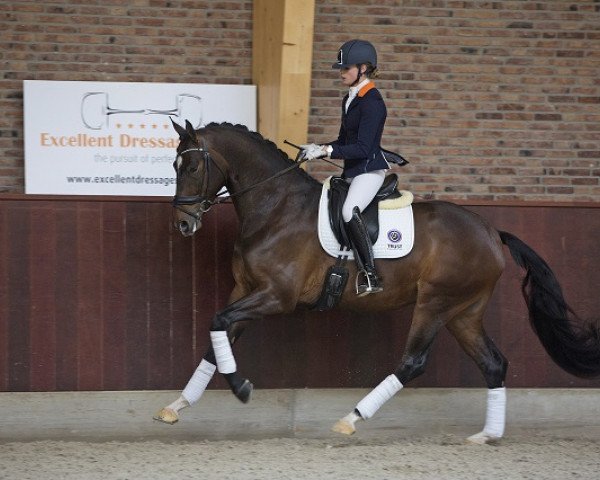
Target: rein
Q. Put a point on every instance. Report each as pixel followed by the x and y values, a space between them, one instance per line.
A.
pixel 205 203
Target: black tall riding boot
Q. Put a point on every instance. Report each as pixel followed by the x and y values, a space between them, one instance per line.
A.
pixel 363 251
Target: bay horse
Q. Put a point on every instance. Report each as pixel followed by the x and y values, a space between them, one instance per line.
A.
pixel 449 275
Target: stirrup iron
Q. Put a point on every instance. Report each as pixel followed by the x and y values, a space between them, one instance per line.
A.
pixel 368 287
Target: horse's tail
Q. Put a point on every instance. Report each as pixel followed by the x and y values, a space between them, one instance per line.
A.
pixel 574 347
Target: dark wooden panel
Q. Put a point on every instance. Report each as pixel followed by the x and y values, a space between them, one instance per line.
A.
pixel 114 295
pixel 325 338
pixel 19 298
pixel 42 248
pixel 159 300
pixel 103 294
pixel 182 308
pixel 4 293
pixel 89 295
pixel 136 329
pixel 65 291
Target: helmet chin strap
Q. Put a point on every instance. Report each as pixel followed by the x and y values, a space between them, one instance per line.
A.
pixel 360 74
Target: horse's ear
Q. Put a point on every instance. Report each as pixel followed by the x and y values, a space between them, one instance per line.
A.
pixel 190 129
pixel 179 129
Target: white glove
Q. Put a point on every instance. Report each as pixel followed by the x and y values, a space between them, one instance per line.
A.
pixel 313 151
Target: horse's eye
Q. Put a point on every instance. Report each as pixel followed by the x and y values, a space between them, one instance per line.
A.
pixel 193 165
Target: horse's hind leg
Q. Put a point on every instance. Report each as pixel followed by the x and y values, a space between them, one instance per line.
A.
pixel 427 320
pixel 471 336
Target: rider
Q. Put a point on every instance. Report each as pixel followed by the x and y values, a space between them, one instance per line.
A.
pixel 358 144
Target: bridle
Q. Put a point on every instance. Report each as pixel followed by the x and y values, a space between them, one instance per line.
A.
pixel 224 197
pixel 205 203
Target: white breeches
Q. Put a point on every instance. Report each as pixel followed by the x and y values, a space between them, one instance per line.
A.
pixel 363 189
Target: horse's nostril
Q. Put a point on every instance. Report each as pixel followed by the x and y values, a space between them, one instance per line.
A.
pixel 184 227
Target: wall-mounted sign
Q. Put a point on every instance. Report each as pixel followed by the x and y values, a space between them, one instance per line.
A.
pixel 109 138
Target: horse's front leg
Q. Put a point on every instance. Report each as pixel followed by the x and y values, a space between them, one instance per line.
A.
pixel 241 387
pixel 202 376
pixel 192 391
pixel 227 327
pixel 231 322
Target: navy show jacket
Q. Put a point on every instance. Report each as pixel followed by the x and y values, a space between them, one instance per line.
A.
pixel 359 140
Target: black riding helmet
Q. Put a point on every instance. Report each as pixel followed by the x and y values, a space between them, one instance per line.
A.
pixel 356 52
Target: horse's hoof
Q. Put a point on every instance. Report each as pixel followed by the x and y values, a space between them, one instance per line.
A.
pixel 344 427
pixel 167 415
pixel 482 438
pixel 245 391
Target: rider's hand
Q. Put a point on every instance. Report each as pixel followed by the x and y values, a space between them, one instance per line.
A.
pixel 313 151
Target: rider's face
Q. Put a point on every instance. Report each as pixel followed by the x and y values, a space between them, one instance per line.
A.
pixel 349 75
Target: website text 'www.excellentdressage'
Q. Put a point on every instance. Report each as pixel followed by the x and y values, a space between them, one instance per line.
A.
pixel 119 179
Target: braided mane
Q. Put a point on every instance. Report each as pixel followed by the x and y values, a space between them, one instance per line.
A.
pixel 257 137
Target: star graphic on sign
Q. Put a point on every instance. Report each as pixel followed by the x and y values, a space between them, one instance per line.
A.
pixel 154 125
pixel 118 125
pixel 142 126
pixel 130 125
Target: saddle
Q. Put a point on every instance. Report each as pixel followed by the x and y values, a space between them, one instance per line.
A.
pixel 390 210
pixel 338 191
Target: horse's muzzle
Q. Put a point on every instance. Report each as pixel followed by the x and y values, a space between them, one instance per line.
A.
pixel 187 229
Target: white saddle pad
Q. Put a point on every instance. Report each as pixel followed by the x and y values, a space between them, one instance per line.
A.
pixel 396 227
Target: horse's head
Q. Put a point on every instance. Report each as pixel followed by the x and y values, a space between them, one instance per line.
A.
pixel 199 179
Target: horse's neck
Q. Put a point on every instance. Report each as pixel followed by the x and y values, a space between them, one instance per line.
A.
pixel 270 199
pixel 277 199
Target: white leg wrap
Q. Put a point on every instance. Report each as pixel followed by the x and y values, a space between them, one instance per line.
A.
pixel 223 352
pixel 199 381
pixel 378 396
pixel 496 412
pixel 178 404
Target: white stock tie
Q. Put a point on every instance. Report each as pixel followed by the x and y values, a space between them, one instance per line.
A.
pixel 351 95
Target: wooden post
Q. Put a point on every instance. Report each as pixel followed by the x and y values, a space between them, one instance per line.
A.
pixel 281 68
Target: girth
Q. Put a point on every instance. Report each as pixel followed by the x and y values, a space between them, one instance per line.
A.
pixel 338 191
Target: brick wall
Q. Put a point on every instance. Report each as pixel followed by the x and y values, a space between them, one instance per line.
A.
pixel 189 41
pixel 486 99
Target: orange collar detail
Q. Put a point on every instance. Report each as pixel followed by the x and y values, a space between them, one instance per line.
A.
pixel 363 91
